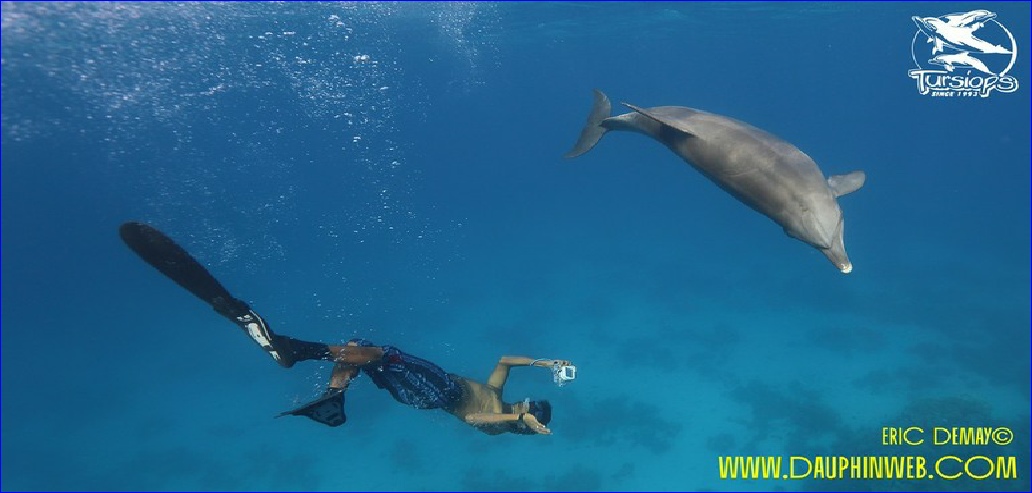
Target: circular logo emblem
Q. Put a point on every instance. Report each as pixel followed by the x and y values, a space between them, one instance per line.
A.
pixel 968 43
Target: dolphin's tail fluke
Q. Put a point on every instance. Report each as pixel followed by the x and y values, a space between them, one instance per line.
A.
pixel 593 130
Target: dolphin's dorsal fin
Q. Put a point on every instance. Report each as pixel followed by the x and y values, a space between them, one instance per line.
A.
pixel 848 183
pixel 675 124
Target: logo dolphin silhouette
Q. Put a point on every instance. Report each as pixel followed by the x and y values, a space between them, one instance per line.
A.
pixel 958 31
pixel 962 59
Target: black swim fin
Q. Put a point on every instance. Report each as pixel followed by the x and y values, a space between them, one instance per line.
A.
pixel 328 409
pixel 158 250
pixel 161 252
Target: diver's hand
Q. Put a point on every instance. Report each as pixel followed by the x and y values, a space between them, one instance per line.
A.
pixel 535 425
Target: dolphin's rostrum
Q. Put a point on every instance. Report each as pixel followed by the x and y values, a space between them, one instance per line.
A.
pixel 762 171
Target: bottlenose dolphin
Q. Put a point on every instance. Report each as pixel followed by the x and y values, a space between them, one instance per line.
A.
pixel 958 31
pixel 762 171
pixel 962 59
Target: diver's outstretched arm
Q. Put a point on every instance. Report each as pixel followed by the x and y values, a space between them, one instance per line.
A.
pixel 501 372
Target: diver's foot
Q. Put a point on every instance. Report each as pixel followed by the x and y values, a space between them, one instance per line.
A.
pixel 259 331
pixel 327 409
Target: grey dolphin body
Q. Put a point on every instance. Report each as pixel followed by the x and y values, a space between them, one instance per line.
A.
pixel 762 171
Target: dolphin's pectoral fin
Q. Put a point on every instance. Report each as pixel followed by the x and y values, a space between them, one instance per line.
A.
pixel 849 183
pixel 674 124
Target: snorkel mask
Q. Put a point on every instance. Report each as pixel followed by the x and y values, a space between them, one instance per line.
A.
pixel 541 410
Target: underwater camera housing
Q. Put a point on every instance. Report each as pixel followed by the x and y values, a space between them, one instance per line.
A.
pixel 563 374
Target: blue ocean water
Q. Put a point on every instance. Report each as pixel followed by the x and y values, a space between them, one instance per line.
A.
pixel 394 171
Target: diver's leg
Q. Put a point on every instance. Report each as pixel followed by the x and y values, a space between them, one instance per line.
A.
pixel 328 409
pixel 342 375
pixel 299 350
pixel 355 355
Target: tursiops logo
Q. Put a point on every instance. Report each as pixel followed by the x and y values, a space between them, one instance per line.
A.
pixel 963 54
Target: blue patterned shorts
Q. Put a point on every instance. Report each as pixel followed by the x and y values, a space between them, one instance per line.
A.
pixel 411 380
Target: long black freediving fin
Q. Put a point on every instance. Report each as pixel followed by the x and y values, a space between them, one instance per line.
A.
pixel 164 254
